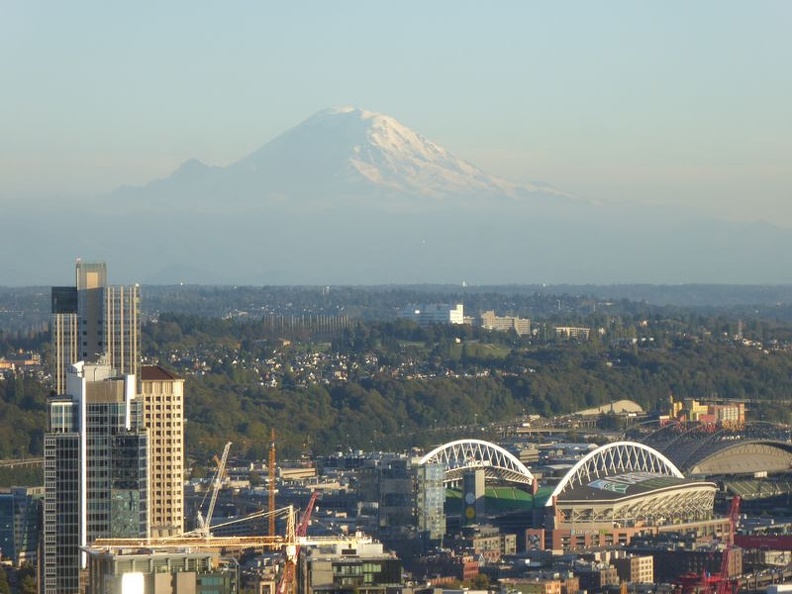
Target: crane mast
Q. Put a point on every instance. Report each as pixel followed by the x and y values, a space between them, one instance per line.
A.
pixel 271 474
pixel 205 525
pixel 286 583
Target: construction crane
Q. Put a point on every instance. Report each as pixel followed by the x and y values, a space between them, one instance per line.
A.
pixel 205 525
pixel 271 474
pixel 726 585
pixel 198 540
pixel 289 544
pixel 719 583
pixel 201 539
pixel 292 550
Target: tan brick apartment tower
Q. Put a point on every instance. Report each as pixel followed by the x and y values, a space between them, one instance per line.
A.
pixel 163 414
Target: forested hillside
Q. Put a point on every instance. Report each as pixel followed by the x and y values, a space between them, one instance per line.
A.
pixel 551 379
pixel 393 384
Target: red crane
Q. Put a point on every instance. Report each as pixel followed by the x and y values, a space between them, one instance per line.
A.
pixel 286 583
pixel 718 583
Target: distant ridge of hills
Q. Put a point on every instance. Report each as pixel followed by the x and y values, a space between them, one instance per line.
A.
pixel 28 308
pixel 354 197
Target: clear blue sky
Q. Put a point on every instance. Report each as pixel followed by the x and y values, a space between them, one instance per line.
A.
pixel 663 102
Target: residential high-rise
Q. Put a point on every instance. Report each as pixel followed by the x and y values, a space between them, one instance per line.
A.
pixel 20 512
pixel 65 333
pixel 162 393
pixel 92 320
pixel 430 501
pixel 95 470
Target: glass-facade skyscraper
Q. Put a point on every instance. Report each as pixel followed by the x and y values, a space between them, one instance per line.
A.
pixel 20 510
pixel 92 322
pixel 95 470
pixel 114 447
pixel 430 502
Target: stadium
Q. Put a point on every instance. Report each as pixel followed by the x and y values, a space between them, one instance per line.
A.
pixel 714 449
pixel 752 460
pixel 621 489
pixel 613 493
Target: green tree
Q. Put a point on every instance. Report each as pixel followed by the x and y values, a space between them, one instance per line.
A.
pixel 26 576
pixel 4 587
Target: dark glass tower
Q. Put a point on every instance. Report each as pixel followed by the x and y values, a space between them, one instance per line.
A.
pixel 95 470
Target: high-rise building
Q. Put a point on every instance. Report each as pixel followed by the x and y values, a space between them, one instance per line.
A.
pixel 20 511
pixel 95 470
pixel 430 501
pixel 406 498
pixel 162 393
pixel 93 321
pixel 64 328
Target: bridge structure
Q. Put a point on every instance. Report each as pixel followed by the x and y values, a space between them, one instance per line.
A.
pixel 464 455
pixel 18 463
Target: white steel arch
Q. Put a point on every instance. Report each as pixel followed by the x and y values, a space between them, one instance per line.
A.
pixel 465 454
pixel 619 456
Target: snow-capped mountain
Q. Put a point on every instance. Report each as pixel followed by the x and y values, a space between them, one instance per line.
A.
pixel 336 156
pixel 352 145
pixel 354 197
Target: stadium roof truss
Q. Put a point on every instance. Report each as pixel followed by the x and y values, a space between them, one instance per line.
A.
pixel 747 457
pixel 700 448
pixel 614 458
pixel 463 455
pixel 657 508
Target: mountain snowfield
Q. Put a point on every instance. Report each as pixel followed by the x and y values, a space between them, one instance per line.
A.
pixel 354 197
pixel 347 154
pixel 378 149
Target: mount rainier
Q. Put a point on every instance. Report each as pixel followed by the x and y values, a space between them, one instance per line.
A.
pixel 354 197
pixel 344 153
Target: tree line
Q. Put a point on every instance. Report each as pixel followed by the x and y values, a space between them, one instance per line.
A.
pixel 464 376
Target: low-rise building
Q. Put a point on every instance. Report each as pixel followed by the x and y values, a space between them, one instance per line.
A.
pixel 489 321
pixel 575 332
pixel 434 313
pixel 531 586
pixel 446 566
pixel 636 569
pixel 597 576
pixel 162 571
pixel 363 566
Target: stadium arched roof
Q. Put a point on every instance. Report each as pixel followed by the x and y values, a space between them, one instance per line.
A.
pixel 468 454
pixel 718 449
pixel 611 459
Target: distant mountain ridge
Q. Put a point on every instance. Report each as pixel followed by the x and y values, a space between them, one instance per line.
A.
pixel 354 197
pixel 343 152
pixel 360 145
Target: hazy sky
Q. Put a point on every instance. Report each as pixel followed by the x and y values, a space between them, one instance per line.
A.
pixel 668 101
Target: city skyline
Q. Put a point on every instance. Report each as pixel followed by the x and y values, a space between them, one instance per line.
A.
pixel 673 104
